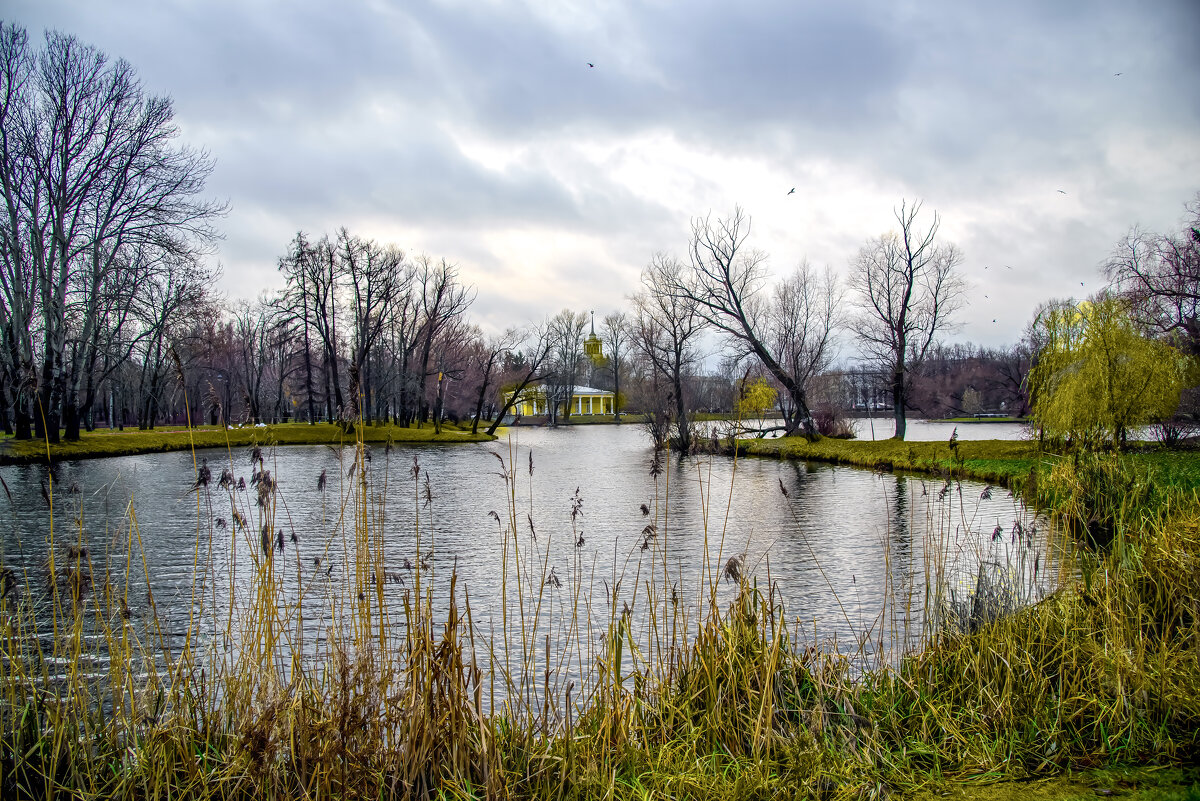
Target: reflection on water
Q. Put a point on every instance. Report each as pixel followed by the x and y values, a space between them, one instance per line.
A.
pixel 564 530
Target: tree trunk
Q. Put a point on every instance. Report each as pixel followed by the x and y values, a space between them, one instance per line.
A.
pixel 684 438
pixel 308 371
pixel 483 386
pixel 616 395
pixel 437 405
pixel 4 416
pixel 52 432
pixel 308 382
pixel 22 428
pixel 89 401
pixel 898 401
pixel 567 405
pixel 71 421
pixel 508 403
pixel 368 397
pixel 48 402
pixel 329 412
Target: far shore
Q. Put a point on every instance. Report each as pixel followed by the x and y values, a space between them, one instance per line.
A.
pixel 103 443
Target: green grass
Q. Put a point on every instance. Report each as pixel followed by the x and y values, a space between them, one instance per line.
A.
pixel 997 461
pixel 1006 462
pixel 103 442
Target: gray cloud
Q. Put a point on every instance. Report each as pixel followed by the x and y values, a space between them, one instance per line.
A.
pixel 458 126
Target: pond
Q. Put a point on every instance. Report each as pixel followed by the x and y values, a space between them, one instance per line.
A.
pixel 552 534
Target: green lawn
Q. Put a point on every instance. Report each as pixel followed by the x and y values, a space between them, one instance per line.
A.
pixel 101 443
pixel 996 461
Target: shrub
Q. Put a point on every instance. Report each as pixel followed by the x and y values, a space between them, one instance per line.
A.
pixel 832 423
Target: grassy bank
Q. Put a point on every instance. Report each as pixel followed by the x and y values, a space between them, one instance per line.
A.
pixel 102 443
pixel 721 702
pixel 1006 462
pixel 995 461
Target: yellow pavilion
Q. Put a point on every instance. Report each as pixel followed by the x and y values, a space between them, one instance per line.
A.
pixel 532 402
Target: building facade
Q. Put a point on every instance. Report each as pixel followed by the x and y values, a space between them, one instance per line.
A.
pixel 533 402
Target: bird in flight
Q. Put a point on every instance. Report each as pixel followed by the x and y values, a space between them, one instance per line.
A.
pixel 1062 192
pixel 1116 74
pixel 590 64
pixel 793 189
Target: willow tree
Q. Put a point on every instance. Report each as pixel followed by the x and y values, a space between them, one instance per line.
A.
pixel 1097 375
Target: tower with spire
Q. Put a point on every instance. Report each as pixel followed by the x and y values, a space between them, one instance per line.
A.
pixel 593 347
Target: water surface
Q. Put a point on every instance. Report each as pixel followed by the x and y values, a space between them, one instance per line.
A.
pixel 849 553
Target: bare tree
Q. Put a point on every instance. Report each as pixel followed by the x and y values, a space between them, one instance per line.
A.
pixel 164 306
pixel 17 275
pixel 399 351
pixel 451 361
pixel 442 300
pixel 298 299
pixel 313 279
pixel 375 276
pixel 533 368
pixel 566 360
pixel 615 330
pixel 666 325
pixel 799 325
pixel 90 169
pixel 254 328
pixel 488 354
pixel 908 289
pixel 1160 275
pixel 726 282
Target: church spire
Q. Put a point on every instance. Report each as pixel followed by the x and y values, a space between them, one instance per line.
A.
pixel 592 345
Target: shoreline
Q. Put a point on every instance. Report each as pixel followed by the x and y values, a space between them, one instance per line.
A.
pixel 1002 462
pixel 132 442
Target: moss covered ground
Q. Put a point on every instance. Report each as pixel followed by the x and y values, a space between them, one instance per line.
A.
pixel 1126 783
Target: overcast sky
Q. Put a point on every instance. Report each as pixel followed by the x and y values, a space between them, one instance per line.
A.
pixel 478 132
